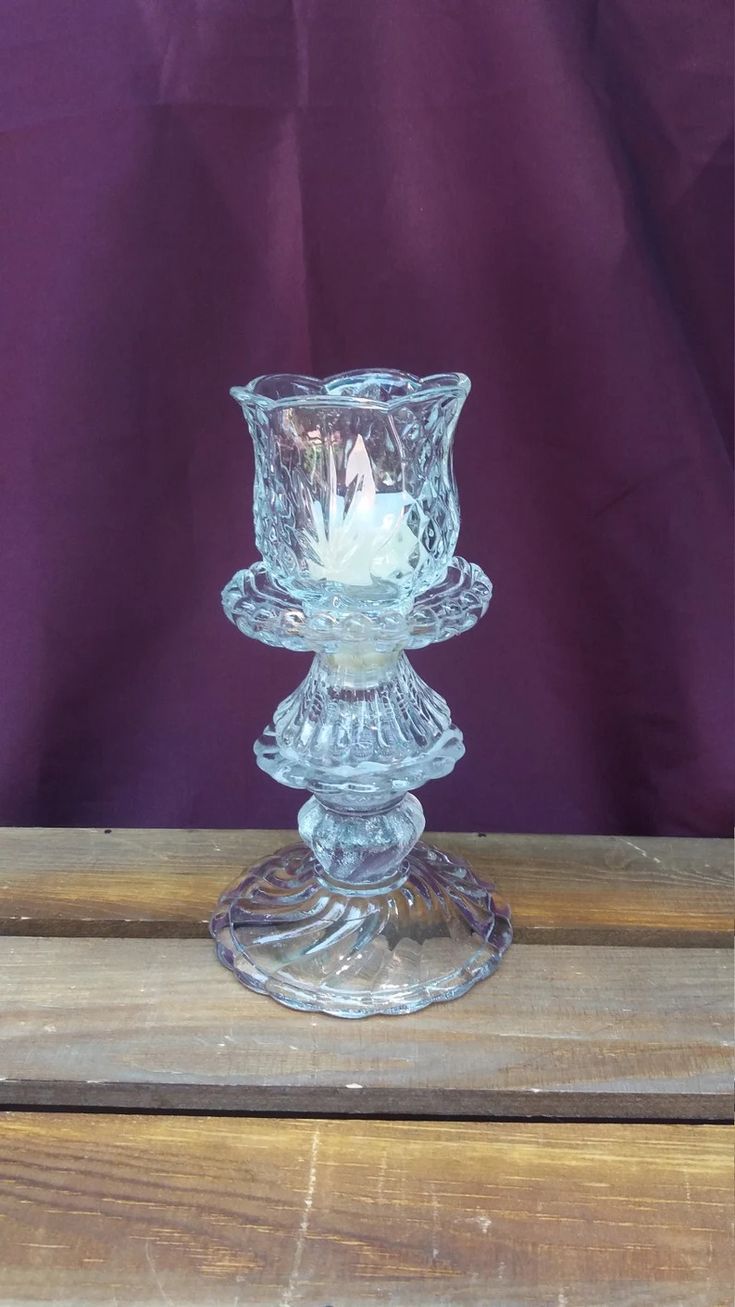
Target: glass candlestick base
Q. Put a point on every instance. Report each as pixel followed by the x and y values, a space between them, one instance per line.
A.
pixel 356 518
pixel 429 933
pixel 360 919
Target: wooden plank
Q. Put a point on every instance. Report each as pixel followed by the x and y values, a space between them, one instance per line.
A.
pixel 137 1211
pixel 558 1031
pixel 563 890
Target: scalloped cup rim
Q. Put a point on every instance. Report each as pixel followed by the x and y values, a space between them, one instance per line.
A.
pixel 323 389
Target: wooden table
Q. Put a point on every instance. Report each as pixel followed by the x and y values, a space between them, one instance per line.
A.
pixel 554 1137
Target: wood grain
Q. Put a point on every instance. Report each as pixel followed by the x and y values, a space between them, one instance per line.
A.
pixel 558 1031
pixel 227 1212
pixel 563 890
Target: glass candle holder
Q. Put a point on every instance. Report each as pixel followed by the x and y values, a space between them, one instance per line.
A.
pixel 356 519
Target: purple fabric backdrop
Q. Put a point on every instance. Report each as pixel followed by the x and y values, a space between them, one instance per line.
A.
pixel 536 193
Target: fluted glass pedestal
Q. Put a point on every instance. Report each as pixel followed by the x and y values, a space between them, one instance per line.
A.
pixel 362 918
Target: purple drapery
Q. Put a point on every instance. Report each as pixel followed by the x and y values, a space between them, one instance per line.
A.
pixel 534 192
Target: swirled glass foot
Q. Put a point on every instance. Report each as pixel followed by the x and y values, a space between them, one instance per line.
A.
pixel 287 931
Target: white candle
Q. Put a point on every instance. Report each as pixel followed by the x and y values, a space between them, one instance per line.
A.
pixel 370 539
